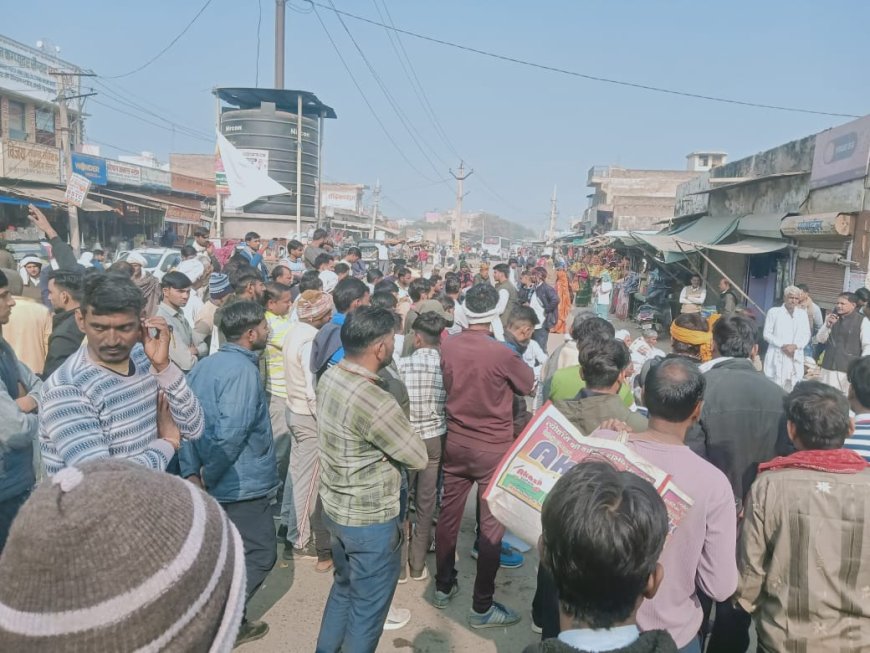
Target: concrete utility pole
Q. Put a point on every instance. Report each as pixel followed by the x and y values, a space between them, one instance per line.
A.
pixel 554 212
pixel 457 222
pixel 279 43
pixel 66 149
pixel 375 207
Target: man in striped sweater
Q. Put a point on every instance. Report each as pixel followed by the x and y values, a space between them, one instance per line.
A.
pixel 119 395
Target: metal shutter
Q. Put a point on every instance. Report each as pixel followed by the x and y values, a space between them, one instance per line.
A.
pixel 825 280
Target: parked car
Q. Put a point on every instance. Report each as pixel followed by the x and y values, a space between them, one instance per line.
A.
pixel 159 260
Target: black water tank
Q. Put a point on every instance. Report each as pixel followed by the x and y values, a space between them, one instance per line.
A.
pixel 271 134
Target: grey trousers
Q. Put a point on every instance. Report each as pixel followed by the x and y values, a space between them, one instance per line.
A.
pixel 427 490
pixel 253 519
pixel 304 477
pixel 279 415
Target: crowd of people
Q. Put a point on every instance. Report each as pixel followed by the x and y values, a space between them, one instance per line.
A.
pixel 169 432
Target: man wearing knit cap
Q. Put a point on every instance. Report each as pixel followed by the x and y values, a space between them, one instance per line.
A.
pixel 481 377
pixel 154 564
pixel 119 396
pixel 219 289
pixel 18 423
pixel 235 458
pixel 193 269
pixel 301 509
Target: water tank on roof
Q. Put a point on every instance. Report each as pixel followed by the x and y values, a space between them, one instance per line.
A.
pixel 267 136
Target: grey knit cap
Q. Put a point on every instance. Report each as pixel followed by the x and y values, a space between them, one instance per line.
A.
pixel 111 556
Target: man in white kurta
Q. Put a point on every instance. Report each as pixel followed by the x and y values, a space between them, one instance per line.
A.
pixel 844 343
pixel 787 332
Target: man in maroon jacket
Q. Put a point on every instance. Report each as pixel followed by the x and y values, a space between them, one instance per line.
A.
pixel 481 376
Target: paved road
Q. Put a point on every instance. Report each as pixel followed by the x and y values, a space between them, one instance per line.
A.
pixel 292 599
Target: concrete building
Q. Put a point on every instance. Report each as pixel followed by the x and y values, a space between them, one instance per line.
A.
pixel 630 199
pixel 796 213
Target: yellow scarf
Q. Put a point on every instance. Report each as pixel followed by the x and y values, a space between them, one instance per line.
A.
pixel 692 337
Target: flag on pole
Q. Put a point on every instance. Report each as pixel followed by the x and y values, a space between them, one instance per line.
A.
pixel 246 182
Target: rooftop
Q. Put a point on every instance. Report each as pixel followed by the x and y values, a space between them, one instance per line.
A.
pixel 286 100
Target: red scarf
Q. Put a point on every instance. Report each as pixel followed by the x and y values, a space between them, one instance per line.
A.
pixel 836 461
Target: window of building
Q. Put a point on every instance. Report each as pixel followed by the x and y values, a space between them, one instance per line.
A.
pixel 45 127
pixel 703 161
pixel 17 122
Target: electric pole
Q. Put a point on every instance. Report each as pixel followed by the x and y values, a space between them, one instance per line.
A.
pixel 376 205
pixel 554 212
pixel 457 222
pixel 66 149
pixel 279 43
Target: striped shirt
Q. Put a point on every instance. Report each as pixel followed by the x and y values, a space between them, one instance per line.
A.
pixel 860 440
pixel 364 439
pixel 273 357
pixel 421 374
pixel 89 412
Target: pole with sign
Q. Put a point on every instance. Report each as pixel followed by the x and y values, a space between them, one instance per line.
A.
pixel 77 189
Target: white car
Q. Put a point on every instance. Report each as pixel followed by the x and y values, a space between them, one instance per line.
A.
pixel 159 260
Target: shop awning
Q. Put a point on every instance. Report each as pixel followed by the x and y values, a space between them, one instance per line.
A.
pixel 761 225
pixel 674 245
pixel 751 246
pixel 54 196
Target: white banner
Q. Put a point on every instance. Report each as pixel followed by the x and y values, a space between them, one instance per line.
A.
pixel 247 183
pixel 77 189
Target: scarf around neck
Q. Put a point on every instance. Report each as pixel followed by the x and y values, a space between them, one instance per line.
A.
pixel 836 461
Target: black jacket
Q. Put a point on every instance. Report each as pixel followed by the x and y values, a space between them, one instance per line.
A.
pixel 742 423
pixel 651 641
pixel 64 341
pixel 549 299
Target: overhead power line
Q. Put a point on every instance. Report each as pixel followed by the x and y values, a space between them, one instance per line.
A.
pixel 164 127
pixel 164 50
pixel 416 137
pixel 366 101
pixel 573 73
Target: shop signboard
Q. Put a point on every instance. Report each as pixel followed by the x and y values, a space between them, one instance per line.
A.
pixel 30 162
pixel 118 172
pixel 156 178
pixel 181 214
pixel 841 154
pixel 27 71
pixel 92 167
pixel 346 197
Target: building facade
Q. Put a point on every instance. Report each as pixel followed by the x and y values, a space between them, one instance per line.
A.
pixel 629 199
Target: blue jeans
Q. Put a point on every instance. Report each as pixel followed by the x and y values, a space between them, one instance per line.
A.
pixel 367 564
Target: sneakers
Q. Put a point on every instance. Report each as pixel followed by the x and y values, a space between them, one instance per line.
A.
pixel 251 631
pixel 498 616
pixel 423 575
pixel 443 598
pixel 538 630
pixel 306 552
pixel 510 558
pixel 397 618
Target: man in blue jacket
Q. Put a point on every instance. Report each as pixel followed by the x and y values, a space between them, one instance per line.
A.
pixel 234 460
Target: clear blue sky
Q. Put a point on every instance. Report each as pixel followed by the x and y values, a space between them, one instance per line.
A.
pixel 522 130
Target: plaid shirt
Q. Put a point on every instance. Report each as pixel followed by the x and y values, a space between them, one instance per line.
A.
pixel 421 372
pixel 364 438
